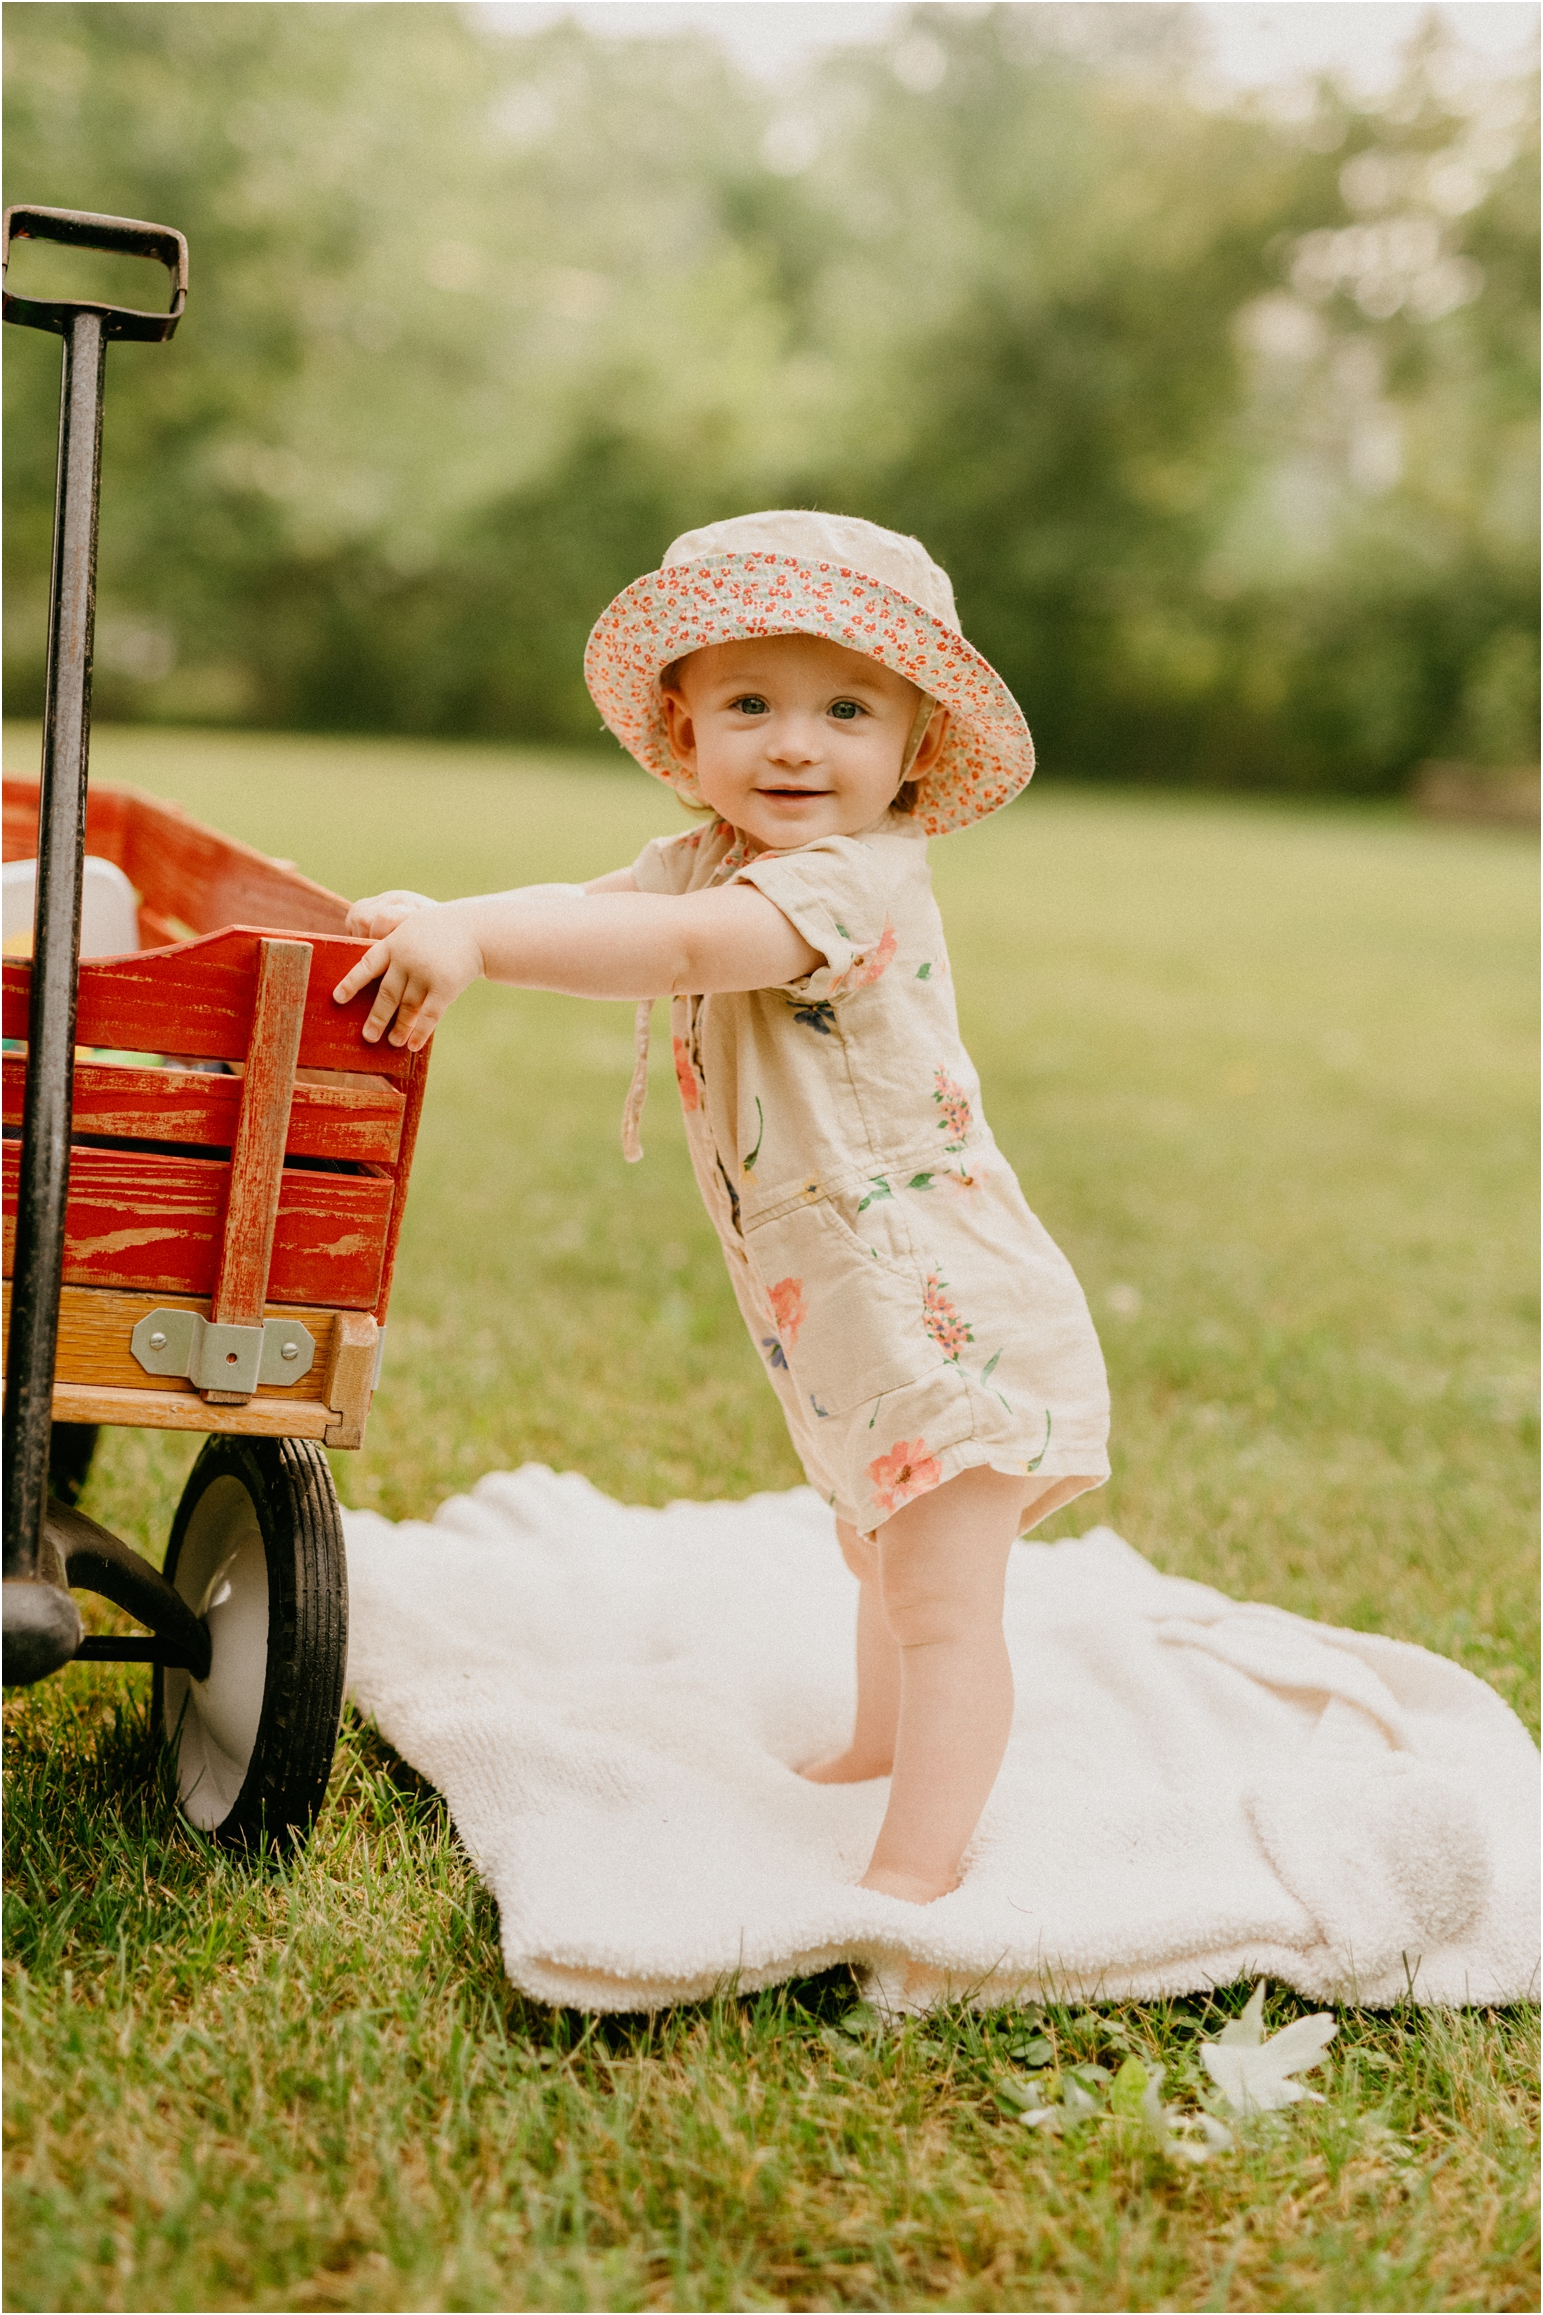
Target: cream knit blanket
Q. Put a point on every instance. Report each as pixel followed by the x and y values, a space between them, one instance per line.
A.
pixel 1197 1790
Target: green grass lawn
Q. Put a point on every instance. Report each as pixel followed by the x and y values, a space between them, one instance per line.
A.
pixel 1267 1075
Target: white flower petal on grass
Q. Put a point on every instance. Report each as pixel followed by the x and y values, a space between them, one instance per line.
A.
pixel 1248 2029
pixel 1252 2074
pixel 1255 2078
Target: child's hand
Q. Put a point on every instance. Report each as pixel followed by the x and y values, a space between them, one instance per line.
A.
pixel 423 963
pixel 372 919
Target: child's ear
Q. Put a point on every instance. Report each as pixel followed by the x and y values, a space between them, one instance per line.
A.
pixel 681 730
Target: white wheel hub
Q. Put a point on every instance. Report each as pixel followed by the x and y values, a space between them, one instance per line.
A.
pixel 222 1573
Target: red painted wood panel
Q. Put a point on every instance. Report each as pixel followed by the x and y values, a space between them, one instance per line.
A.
pixel 197 1000
pixel 360 1122
pixel 140 1220
pixel 415 1086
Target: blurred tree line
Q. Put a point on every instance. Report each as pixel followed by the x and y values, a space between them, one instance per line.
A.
pixel 1222 416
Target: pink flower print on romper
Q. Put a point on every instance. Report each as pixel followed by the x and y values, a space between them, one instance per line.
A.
pixel 906 1471
pixel 941 1318
pixel 957 1117
pixel 864 970
pixel 685 1075
pixel 862 976
pixel 789 1308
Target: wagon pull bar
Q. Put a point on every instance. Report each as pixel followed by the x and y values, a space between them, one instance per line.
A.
pixel 43 1185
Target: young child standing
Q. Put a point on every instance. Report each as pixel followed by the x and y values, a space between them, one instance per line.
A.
pixel 803 677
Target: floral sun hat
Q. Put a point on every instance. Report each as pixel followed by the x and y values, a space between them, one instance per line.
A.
pixel 794 573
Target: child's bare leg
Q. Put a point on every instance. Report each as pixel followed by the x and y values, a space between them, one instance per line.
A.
pixel 872 1749
pixel 943 1565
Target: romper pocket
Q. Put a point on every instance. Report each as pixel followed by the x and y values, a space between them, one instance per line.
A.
pixel 850 1324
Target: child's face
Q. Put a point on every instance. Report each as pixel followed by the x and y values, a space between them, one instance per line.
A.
pixel 792 737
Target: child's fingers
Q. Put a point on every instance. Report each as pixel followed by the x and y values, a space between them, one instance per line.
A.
pixel 418 1016
pixel 412 995
pixel 393 987
pixel 373 918
pixel 370 966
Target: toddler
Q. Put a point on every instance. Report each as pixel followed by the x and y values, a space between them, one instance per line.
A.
pixel 803 678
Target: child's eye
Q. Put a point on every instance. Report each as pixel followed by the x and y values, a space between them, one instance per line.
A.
pixel 751 704
pixel 846 710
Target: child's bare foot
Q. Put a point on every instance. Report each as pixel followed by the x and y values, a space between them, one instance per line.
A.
pixel 849 1767
pixel 915 1888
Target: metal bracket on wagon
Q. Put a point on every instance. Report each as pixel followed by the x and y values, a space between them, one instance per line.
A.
pixel 222 1358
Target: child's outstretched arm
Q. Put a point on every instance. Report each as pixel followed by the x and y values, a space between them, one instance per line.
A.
pixel 608 940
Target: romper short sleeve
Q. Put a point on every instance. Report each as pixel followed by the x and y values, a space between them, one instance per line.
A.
pixel 676 864
pixel 838 892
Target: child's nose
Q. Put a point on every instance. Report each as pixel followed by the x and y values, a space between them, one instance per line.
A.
pixel 794 739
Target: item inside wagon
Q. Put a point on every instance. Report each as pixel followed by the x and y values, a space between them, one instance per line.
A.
pixel 109 908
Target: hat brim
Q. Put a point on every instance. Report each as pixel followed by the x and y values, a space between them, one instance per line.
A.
pixel 987 755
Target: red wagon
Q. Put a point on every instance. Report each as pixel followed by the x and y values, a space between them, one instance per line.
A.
pixel 204 1170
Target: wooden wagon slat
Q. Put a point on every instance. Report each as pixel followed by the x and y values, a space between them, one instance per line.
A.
pixel 257 1159
pixel 140 1219
pixel 164 1411
pixel 361 1122
pixel 197 1000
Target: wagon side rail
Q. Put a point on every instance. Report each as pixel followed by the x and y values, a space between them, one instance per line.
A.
pixel 190 879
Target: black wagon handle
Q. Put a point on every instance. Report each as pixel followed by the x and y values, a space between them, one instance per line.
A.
pixel 81 229
pixel 40 1631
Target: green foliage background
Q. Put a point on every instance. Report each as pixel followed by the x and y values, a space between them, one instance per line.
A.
pixel 1222 422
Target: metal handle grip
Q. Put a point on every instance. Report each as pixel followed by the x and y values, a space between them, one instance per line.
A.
pixel 127 237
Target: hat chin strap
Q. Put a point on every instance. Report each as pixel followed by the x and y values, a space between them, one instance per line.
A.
pixel 923 717
pixel 637 1091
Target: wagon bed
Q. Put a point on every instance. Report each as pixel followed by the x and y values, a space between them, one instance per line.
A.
pixel 173 1160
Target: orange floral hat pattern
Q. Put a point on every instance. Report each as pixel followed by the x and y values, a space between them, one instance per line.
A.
pixel 794 573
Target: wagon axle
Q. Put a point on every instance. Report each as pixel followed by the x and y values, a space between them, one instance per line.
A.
pixel 43 1632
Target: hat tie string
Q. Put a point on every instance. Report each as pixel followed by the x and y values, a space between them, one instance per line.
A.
pixel 637 1091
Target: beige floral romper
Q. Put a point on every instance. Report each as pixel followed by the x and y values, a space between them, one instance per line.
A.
pixel 914 1317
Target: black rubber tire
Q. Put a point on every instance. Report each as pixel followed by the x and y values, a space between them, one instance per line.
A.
pixel 258 1537
pixel 70 1449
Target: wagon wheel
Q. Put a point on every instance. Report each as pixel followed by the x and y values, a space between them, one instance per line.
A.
pixel 257 1549
pixel 70 1449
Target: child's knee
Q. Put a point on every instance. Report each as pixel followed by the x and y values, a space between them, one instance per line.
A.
pixel 936 1619
pixel 927 1604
